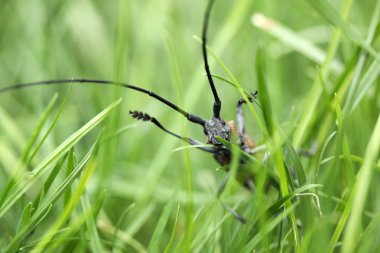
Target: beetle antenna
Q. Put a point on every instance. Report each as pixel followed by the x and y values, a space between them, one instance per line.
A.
pixel 217 102
pixel 146 117
pixel 190 117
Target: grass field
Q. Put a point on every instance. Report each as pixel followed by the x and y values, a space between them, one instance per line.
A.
pixel 78 174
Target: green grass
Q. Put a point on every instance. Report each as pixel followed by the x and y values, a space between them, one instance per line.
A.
pixel 78 174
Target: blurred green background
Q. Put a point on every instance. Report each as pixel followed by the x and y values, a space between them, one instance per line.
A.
pixel 151 44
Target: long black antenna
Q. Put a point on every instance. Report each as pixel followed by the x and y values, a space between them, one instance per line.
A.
pixel 217 102
pixel 146 117
pixel 189 116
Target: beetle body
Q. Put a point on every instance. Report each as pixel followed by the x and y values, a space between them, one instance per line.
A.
pixel 213 128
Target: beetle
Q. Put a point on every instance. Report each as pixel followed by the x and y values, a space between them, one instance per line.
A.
pixel 213 128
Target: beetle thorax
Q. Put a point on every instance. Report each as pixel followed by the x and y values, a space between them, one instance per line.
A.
pixel 216 127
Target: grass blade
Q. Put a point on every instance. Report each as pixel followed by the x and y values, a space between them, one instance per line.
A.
pixel 93 236
pixel 325 9
pixel 295 41
pixel 360 191
pixel 46 205
pixel 25 156
pixel 25 184
pixel 68 209
pixel 157 234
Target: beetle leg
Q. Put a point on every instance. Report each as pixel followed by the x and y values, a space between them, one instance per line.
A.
pixel 240 117
pixel 233 212
pixel 146 117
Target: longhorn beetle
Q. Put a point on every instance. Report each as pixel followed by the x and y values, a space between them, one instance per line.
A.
pixel 213 128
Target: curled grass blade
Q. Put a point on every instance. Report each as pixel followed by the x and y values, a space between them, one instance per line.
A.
pixel 276 207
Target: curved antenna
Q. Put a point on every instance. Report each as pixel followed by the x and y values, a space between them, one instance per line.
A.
pixel 146 117
pixel 217 102
pixel 190 117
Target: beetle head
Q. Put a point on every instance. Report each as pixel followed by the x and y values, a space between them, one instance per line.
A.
pixel 216 127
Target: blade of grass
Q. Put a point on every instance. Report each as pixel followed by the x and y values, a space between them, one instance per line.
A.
pixel 51 127
pixel 25 216
pixel 139 220
pixel 119 132
pixel 349 172
pixel 356 81
pixel 20 188
pixel 326 10
pixel 122 236
pixel 311 103
pixel 11 129
pixel 76 229
pixel 119 224
pixel 248 94
pixel 160 227
pixel 99 203
pixel 293 161
pixel 341 127
pixel 177 86
pixel 353 158
pixel 363 177
pixel 295 41
pixel 170 243
pixel 93 236
pixel 24 157
pixel 323 149
pixel 274 143
pixel 35 221
pixel 360 191
pixel 269 227
pixel 68 209
pixel 368 81
pixel 47 203
pixel 69 169
pixel 37 130
pixel 273 209
pixel 49 181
